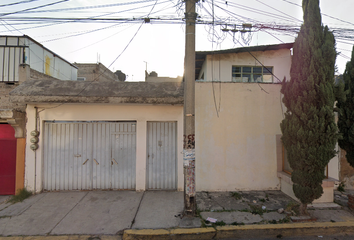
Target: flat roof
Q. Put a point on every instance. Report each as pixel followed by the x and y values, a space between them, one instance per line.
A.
pixel 201 55
pixel 57 91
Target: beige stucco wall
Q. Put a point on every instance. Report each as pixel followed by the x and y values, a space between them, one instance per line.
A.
pixel 218 67
pixel 237 150
pixel 90 112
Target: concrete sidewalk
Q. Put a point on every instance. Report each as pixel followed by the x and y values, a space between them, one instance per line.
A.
pixel 158 214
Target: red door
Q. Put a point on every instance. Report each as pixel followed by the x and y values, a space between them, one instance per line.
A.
pixel 7 160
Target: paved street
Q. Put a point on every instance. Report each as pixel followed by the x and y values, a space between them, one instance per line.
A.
pixel 95 212
pixel 140 215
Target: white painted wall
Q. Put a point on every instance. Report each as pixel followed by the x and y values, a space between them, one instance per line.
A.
pixel 100 112
pixel 237 149
pixel 218 67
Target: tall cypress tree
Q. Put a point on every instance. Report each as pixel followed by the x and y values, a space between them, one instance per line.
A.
pixel 345 107
pixel 309 130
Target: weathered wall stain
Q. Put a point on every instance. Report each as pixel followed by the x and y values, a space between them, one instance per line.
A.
pixel 47 65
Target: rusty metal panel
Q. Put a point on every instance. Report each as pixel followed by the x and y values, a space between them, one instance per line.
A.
pixel 46 62
pixel 123 162
pixel 162 155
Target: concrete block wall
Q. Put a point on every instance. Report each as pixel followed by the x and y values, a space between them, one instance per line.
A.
pixel 95 72
pixel 346 173
pixel 35 75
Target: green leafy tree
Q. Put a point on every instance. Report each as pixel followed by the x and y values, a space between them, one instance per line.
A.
pixel 345 106
pixel 309 130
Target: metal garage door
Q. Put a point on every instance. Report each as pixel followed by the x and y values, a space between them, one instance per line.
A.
pixel 161 155
pixel 87 155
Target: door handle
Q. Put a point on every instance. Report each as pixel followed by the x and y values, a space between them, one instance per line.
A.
pixel 113 160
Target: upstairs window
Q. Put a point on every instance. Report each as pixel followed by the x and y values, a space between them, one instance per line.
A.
pixel 252 74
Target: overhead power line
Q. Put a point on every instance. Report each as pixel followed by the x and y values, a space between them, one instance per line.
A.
pixel 16 3
pixel 91 7
pixel 29 9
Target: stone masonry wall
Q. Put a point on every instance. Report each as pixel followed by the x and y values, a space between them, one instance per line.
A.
pixel 6 88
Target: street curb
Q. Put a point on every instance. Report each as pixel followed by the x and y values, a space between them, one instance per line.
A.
pixel 285 230
pixel 234 232
pixel 244 231
pixel 63 237
pixel 179 233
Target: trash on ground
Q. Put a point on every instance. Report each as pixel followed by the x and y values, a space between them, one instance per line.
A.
pixel 212 220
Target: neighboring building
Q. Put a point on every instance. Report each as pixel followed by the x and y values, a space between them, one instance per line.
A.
pixel 94 72
pixel 114 135
pixel 129 135
pixel 238 112
pixel 153 77
pixel 22 59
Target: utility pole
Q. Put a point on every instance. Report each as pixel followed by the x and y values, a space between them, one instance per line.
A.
pixel 189 111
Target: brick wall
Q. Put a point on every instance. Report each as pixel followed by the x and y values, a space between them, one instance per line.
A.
pixel 346 173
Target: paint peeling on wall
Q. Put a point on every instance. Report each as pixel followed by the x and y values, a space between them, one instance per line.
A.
pixel 190 179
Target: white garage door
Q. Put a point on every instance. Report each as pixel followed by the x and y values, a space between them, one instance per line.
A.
pixel 89 155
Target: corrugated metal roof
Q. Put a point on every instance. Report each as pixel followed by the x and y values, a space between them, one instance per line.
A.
pixel 41 45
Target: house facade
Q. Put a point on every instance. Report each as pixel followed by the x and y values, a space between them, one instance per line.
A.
pixel 94 72
pixel 111 135
pixel 22 59
pixel 129 135
pixel 238 113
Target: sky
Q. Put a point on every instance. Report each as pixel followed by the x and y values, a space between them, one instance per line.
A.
pixel 138 35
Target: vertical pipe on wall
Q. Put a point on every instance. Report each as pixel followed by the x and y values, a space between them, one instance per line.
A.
pixel 35 152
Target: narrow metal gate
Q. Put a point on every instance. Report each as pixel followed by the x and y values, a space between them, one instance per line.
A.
pixel 123 155
pixel 80 156
pixel 161 155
